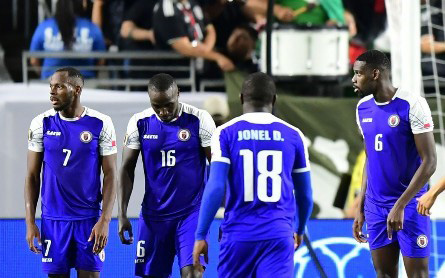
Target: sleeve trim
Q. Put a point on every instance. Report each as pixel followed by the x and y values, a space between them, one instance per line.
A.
pixel 221 159
pixel 301 170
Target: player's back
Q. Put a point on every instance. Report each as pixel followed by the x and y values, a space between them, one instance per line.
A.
pixel 263 151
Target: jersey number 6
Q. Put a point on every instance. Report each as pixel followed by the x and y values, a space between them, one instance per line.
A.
pixel 273 174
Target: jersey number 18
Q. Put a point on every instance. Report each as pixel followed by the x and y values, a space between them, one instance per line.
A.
pixel 264 174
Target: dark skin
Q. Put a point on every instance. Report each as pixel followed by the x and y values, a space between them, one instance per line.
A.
pixel 166 106
pixel 374 81
pixel 65 98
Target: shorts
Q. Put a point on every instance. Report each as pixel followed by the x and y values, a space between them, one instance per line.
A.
pixel 413 239
pixel 265 258
pixel 159 242
pixel 65 245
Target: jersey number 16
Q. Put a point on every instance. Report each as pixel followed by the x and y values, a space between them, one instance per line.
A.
pixel 264 174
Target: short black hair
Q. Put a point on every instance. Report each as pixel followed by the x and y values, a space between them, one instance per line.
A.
pixel 259 89
pixel 72 73
pixel 375 59
pixel 161 82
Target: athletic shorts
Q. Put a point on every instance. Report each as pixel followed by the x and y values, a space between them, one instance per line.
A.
pixel 65 245
pixel 159 242
pixel 266 258
pixel 413 239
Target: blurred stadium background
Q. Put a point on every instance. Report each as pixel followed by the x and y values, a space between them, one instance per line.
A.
pixel 311 62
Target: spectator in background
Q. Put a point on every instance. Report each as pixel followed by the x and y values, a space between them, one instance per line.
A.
pixel 136 28
pixel 107 14
pixel 180 25
pixel 218 108
pixel 67 30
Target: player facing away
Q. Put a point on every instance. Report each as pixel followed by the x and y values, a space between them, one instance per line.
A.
pixel 70 144
pixel 397 129
pixel 264 159
pixel 174 141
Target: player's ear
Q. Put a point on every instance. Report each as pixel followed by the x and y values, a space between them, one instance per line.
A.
pixel 241 97
pixel 376 74
pixel 274 100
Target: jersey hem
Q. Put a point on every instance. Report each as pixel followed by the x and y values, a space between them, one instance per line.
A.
pixel 422 131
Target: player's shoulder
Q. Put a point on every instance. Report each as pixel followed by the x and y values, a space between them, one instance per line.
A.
pixel 192 110
pixel 96 114
pixel 147 113
pixel 365 100
pixel 46 114
pixel 412 99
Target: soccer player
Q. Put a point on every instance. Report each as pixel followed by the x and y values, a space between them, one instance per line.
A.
pixel 70 144
pixel 397 129
pixel 174 140
pixel 264 159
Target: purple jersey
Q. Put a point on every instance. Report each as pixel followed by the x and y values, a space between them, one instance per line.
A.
pixel 71 187
pixel 174 159
pixel 388 130
pixel 262 151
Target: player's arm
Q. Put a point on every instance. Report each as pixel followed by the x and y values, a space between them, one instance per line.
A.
pixel 303 198
pixel 100 230
pixel 32 190
pixel 359 219
pixel 125 188
pixel 427 200
pixel 427 151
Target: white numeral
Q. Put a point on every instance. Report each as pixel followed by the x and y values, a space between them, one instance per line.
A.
pixel 67 157
pixel 48 245
pixel 378 144
pixel 168 159
pixel 140 252
pixel 273 174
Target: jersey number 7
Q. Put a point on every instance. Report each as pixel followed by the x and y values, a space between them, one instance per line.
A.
pixel 264 174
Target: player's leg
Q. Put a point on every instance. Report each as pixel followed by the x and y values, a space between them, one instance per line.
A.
pixel 414 243
pixel 57 247
pixel 86 262
pixel 184 242
pixel 276 259
pixel 384 251
pixel 155 248
pixel 386 260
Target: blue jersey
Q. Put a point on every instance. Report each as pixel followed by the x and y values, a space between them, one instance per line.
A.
pixel 71 187
pixel 88 37
pixel 174 159
pixel 388 130
pixel 262 151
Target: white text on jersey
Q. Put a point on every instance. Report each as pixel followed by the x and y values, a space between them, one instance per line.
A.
pixel 367 120
pixel 53 133
pixel 150 136
pixel 263 135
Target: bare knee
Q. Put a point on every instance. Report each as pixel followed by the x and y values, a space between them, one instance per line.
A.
pixel 190 272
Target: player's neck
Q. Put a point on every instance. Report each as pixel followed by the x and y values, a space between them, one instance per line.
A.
pixel 73 112
pixel 385 93
pixel 251 109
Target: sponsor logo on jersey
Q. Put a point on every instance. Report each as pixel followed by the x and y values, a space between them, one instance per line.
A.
pixel 184 135
pixel 393 120
pixel 150 136
pixel 86 136
pixel 367 120
pixel 47 260
pixel 53 133
pixel 422 241
pixel 138 261
pixel 102 255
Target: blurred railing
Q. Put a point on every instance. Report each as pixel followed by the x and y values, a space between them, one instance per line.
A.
pixel 113 75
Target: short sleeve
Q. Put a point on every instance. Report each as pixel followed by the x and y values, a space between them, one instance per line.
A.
pixel 420 117
pixel 98 39
pixel 206 129
pixel 301 163
pixel 35 135
pixel 220 150
pixel 168 24
pixel 107 138
pixel 132 136
pixel 37 39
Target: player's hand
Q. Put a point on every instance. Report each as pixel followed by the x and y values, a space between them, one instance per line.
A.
pixel 357 227
pixel 425 202
pixel 201 248
pixel 125 225
pixel 298 239
pixel 394 221
pixel 100 235
pixel 32 232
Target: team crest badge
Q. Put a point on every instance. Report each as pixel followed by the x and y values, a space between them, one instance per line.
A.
pixel 422 241
pixel 86 136
pixel 102 255
pixel 393 120
pixel 184 135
